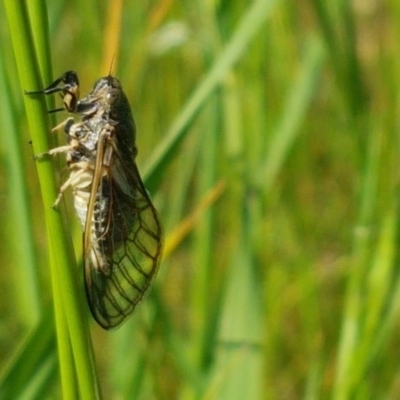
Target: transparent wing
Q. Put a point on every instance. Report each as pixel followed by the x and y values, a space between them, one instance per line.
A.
pixel 123 252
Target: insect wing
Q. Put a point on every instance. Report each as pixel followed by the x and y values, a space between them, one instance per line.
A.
pixel 123 259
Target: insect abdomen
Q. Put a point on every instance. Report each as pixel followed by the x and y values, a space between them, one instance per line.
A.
pixel 81 187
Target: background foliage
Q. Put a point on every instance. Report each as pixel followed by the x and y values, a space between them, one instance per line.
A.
pixel 268 136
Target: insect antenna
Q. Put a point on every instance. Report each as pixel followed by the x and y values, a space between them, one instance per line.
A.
pixel 111 65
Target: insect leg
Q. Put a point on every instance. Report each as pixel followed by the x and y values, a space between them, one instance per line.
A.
pixel 67 124
pixel 56 150
pixel 69 89
pixel 70 80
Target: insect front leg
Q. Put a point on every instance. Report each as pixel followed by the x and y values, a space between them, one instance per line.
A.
pixel 69 89
pixel 66 126
pixel 69 79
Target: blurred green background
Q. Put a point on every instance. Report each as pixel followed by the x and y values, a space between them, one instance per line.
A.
pixel 268 135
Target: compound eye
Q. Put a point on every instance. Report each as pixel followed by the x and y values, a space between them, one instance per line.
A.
pixel 112 96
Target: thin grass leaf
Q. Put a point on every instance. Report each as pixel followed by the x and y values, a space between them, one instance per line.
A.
pixel 36 353
pixel 26 273
pixel 253 20
pixel 238 370
pixel 351 329
pixel 65 293
pixel 297 104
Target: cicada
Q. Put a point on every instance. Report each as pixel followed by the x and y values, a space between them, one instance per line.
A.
pixel 122 234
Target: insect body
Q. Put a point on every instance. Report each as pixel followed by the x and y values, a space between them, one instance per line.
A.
pixel 122 239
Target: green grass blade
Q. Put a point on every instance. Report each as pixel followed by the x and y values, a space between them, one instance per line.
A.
pixel 65 291
pixel 253 20
pixel 292 116
pixel 352 328
pixel 26 279
pixel 35 351
pixel 238 369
